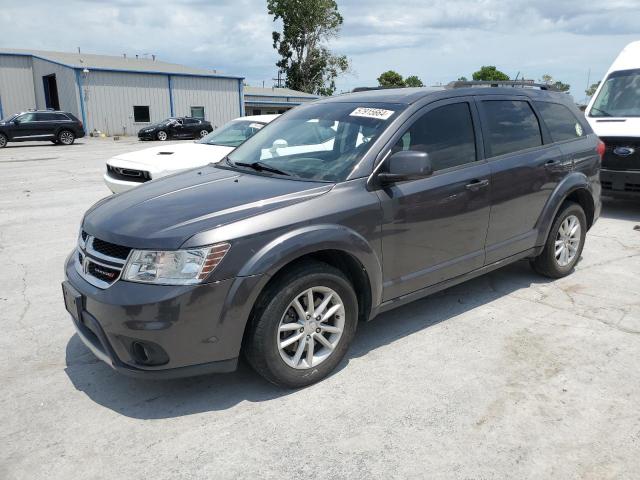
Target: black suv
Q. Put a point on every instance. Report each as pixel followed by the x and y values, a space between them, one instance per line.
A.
pixel 280 249
pixel 176 127
pixel 55 126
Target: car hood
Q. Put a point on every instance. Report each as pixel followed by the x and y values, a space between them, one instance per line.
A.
pixel 165 213
pixel 169 158
pixel 615 127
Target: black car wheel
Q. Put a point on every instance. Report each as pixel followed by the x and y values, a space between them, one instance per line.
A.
pixel 302 325
pixel 66 137
pixel 204 133
pixel 564 244
pixel 3 140
pixel 162 135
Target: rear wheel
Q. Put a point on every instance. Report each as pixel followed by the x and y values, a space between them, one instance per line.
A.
pixel 66 137
pixel 162 135
pixel 564 244
pixel 3 140
pixel 302 325
pixel 204 133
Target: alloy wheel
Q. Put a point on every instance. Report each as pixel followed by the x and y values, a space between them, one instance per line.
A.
pixel 66 138
pixel 162 136
pixel 568 240
pixel 311 327
pixel 203 133
pixel 3 141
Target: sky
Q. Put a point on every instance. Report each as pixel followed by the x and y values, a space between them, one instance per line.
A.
pixel 438 40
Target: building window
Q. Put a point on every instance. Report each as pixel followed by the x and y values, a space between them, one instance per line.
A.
pixel 257 111
pixel 197 112
pixel 141 114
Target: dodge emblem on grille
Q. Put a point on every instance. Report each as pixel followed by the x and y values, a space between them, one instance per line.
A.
pixel 624 151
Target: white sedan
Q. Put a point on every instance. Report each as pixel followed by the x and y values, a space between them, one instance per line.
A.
pixel 129 170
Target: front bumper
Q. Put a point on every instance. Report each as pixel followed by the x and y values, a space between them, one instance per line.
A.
pixel 119 186
pixel 187 323
pixel 620 183
pixel 147 135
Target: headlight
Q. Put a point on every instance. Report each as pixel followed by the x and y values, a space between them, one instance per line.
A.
pixel 174 267
pixel 149 130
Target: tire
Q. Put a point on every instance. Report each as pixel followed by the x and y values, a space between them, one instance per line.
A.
pixel 203 133
pixel 3 140
pixel 66 137
pixel 162 136
pixel 274 309
pixel 548 263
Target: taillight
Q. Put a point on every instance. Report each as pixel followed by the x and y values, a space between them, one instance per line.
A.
pixel 601 148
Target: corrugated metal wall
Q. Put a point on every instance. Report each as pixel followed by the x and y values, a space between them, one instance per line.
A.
pixel 16 84
pixel 220 97
pixel 65 81
pixel 109 98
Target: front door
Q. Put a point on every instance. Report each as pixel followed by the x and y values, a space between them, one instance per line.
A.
pixel 434 229
pixel 24 127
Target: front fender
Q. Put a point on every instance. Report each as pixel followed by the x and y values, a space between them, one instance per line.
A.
pixel 572 182
pixel 305 240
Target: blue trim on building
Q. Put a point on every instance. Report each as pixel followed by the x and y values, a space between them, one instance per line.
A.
pixel 84 115
pixel 283 103
pixel 170 96
pixel 101 69
pixel 241 95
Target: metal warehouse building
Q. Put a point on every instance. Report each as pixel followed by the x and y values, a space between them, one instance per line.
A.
pixel 115 95
pixel 261 101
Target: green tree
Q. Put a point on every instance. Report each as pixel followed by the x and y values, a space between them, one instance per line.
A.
pixel 490 73
pixel 592 89
pixel 391 79
pixel 557 84
pixel 462 79
pixel 413 81
pixel 306 61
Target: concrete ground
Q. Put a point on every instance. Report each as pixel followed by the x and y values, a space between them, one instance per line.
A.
pixel 506 376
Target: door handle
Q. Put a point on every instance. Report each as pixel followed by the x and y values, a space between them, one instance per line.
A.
pixel 477 184
pixel 552 163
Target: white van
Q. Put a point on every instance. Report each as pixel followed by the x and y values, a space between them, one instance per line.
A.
pixel 614 114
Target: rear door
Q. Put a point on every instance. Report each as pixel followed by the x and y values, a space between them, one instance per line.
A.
pixel 434 228
pixel 525 169
pixel 47 123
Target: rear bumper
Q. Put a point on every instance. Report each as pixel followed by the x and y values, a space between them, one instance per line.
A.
pixel 620 183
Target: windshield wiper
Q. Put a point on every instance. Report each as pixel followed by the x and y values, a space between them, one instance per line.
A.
pixel 606 114
pixel 259 167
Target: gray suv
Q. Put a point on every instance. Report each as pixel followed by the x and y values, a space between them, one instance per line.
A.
pixel 334 213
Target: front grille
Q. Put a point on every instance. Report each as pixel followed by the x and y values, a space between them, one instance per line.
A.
pixel 128 174
pixel 110 249
pixel 612 161
pixel 99 262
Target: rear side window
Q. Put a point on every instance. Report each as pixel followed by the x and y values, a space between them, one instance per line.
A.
pixel 512 126
pixel 445 133
pixel 562 123
pixel 50 117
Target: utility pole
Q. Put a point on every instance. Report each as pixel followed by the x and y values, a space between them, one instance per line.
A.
pixel 278 80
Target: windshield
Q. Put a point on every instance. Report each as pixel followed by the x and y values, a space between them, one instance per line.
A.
pixel 169 121
pixel 619 96
pixel 233 133
pixel 9 118
pixel 321 142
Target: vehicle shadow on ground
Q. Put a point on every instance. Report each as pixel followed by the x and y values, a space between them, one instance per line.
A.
pixel 146 399
pixel 619 209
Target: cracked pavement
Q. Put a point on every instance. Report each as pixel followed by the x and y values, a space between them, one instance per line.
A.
pixel 507 376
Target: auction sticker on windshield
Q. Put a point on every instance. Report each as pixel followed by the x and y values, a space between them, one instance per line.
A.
pixel 257 126
pixel 377 113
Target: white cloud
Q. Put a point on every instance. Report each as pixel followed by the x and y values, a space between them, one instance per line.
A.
pixel 437 40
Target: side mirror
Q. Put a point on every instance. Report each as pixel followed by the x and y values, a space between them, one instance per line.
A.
pixel 406 165
pixel 15 122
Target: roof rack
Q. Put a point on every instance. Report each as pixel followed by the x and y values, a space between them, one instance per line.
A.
pixel 366 89
pixel 502 83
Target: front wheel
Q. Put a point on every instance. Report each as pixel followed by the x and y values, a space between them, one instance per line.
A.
pixel 302 325
pixel 66 137
pixel 564 244
pixel 204 133
pixel 3 140
pixel 162 135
